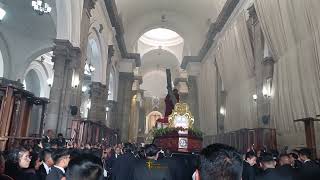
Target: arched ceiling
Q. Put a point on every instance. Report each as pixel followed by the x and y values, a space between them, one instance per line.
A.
pixel 190 18
pixel 158 60
pixel 22 19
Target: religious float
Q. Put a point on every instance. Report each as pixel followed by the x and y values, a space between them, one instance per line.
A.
pixel 175 130
pixel 178 134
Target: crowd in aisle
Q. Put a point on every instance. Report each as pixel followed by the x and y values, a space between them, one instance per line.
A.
pixel 57 159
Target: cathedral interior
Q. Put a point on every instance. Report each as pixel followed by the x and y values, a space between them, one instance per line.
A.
pixel 95 70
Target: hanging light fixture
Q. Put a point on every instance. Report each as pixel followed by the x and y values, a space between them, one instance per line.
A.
pixel 41 7
pixel 2 11
pixel 89 69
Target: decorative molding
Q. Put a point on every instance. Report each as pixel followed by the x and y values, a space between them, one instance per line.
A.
pixel 188 59
pixel 116 22
pixel 177 80
pixel 64 48
pixel 214 29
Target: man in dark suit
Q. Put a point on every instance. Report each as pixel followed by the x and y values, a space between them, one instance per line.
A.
pixel 122 169
pixel 248 172
pixel 220 162
pixel 285 168
pixel 152 167
pixel 61 141
pixel 47 163
pixel 269 173
pixel 61 158
pixel 309 169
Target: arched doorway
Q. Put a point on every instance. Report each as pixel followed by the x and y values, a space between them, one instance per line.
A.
pixel 151 120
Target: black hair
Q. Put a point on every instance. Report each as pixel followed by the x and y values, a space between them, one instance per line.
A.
pixel 151 150
pixel 128 148
pixel 266 157
pixel 58 154
pixel 60 134
pixel 34 158
pixel 44 153
pixel 85 167
pixel 294 155
pixel 12 168
pixel 220 162
pixel 250 154
pixel 306 152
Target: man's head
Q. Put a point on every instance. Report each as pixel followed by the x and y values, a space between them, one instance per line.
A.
pixel 85 167
pixel 60 136
pixel 220 162
pixel 128 148
pixel 293 157
pixel 284 159
pixel 117 150
pixel 45 156
pixel 151 151
pixel 305 154
pixel 50 133
pixel 61 157
pixel 267 161
pixel 251 158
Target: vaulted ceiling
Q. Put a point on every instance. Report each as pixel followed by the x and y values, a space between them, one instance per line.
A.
pixel 189 18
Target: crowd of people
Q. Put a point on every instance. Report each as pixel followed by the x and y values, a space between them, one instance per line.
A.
pixel 56 159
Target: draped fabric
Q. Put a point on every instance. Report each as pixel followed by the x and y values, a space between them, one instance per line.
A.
pixel 235 62
pixel 208 97
pixel 291 29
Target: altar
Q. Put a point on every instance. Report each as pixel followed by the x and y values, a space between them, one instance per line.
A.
pixel 177 134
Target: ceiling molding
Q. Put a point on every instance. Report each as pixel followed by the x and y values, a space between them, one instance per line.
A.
pixel 116 22
pixel 214 29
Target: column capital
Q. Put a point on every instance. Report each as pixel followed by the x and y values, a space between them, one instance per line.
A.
pixel 64 49
pixel 193 68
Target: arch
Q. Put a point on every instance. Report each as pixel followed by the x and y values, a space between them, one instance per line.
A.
pixel 112 85
pixel 148 50
pixel 32 82
pixel 94 58
pixel 43 75
pixel 151 119
pixel 5 57
pixel 32 57
pixel 100 41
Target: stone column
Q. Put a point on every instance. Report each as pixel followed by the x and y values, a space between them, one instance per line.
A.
pixel 124 103
pixel 64 56
pixel 192 99
pixel 112 114
pixel 99 95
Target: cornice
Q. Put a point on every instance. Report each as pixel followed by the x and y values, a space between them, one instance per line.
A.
pixel 116 22
pixel 214 29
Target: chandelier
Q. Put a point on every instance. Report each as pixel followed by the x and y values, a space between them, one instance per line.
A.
pixel 89 69
pixel 41 7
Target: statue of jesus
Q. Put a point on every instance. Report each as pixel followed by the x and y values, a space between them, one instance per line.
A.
pixel 170 101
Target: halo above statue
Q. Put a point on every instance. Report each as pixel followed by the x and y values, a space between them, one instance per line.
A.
pixel 181 117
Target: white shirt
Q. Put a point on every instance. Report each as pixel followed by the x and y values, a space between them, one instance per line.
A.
pixel 60 169
pixel 46 167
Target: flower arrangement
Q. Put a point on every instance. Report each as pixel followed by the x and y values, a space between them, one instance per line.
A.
pixel 175 130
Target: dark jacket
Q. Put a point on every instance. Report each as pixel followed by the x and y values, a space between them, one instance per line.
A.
pixel 55 174
pixel 248 172
pixel 152 170
pixel 272 174
pixel 122 169
pixel 309 171
pixel 42 173
pixel 287 170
